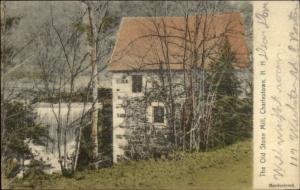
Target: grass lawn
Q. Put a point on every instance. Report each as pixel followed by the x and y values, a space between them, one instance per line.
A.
pixel 228 168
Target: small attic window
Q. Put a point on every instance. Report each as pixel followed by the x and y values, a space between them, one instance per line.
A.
pixel 122 81
pixel 137 83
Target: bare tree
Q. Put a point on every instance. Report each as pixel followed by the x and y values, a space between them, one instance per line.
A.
pixel 92 46
pixel 61 60
pixel 196 42
pixel 99 24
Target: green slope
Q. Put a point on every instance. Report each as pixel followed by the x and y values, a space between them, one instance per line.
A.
pixel 228 168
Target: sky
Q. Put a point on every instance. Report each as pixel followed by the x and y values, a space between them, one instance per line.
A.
pixel 35 13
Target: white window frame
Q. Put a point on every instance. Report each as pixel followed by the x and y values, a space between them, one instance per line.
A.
pixel 150 111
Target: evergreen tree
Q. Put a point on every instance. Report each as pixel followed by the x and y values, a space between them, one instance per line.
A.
pixel 20 129
pixel 232 113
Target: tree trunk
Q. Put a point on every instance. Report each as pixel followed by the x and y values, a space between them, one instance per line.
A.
pixel 77 149
pixel 3 115
pixel 92 43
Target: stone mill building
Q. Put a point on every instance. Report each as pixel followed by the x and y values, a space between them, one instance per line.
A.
pixel 148 48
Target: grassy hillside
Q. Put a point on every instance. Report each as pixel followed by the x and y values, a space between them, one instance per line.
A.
pixel 228 168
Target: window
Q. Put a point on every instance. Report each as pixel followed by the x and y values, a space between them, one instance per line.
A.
pixel 137 81
pixel 122 80
pixel 158 114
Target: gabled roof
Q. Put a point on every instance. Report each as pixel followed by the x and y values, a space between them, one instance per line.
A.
pixel 141 41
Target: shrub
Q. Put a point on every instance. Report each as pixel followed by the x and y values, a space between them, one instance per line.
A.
pixel 20 128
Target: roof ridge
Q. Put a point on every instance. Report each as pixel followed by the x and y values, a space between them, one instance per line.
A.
pixel 147 17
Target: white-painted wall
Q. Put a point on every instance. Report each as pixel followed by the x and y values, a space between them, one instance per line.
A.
pixel 46 116
pixel 119 90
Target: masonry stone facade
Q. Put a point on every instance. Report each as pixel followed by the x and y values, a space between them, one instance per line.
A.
pixel 136 130
pixel 139 118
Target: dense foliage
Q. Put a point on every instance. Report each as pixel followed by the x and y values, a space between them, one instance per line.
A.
pixel 232 112
pixel 20 129
pixel 81 95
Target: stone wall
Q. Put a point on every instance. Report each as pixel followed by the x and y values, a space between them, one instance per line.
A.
pixel 135 135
